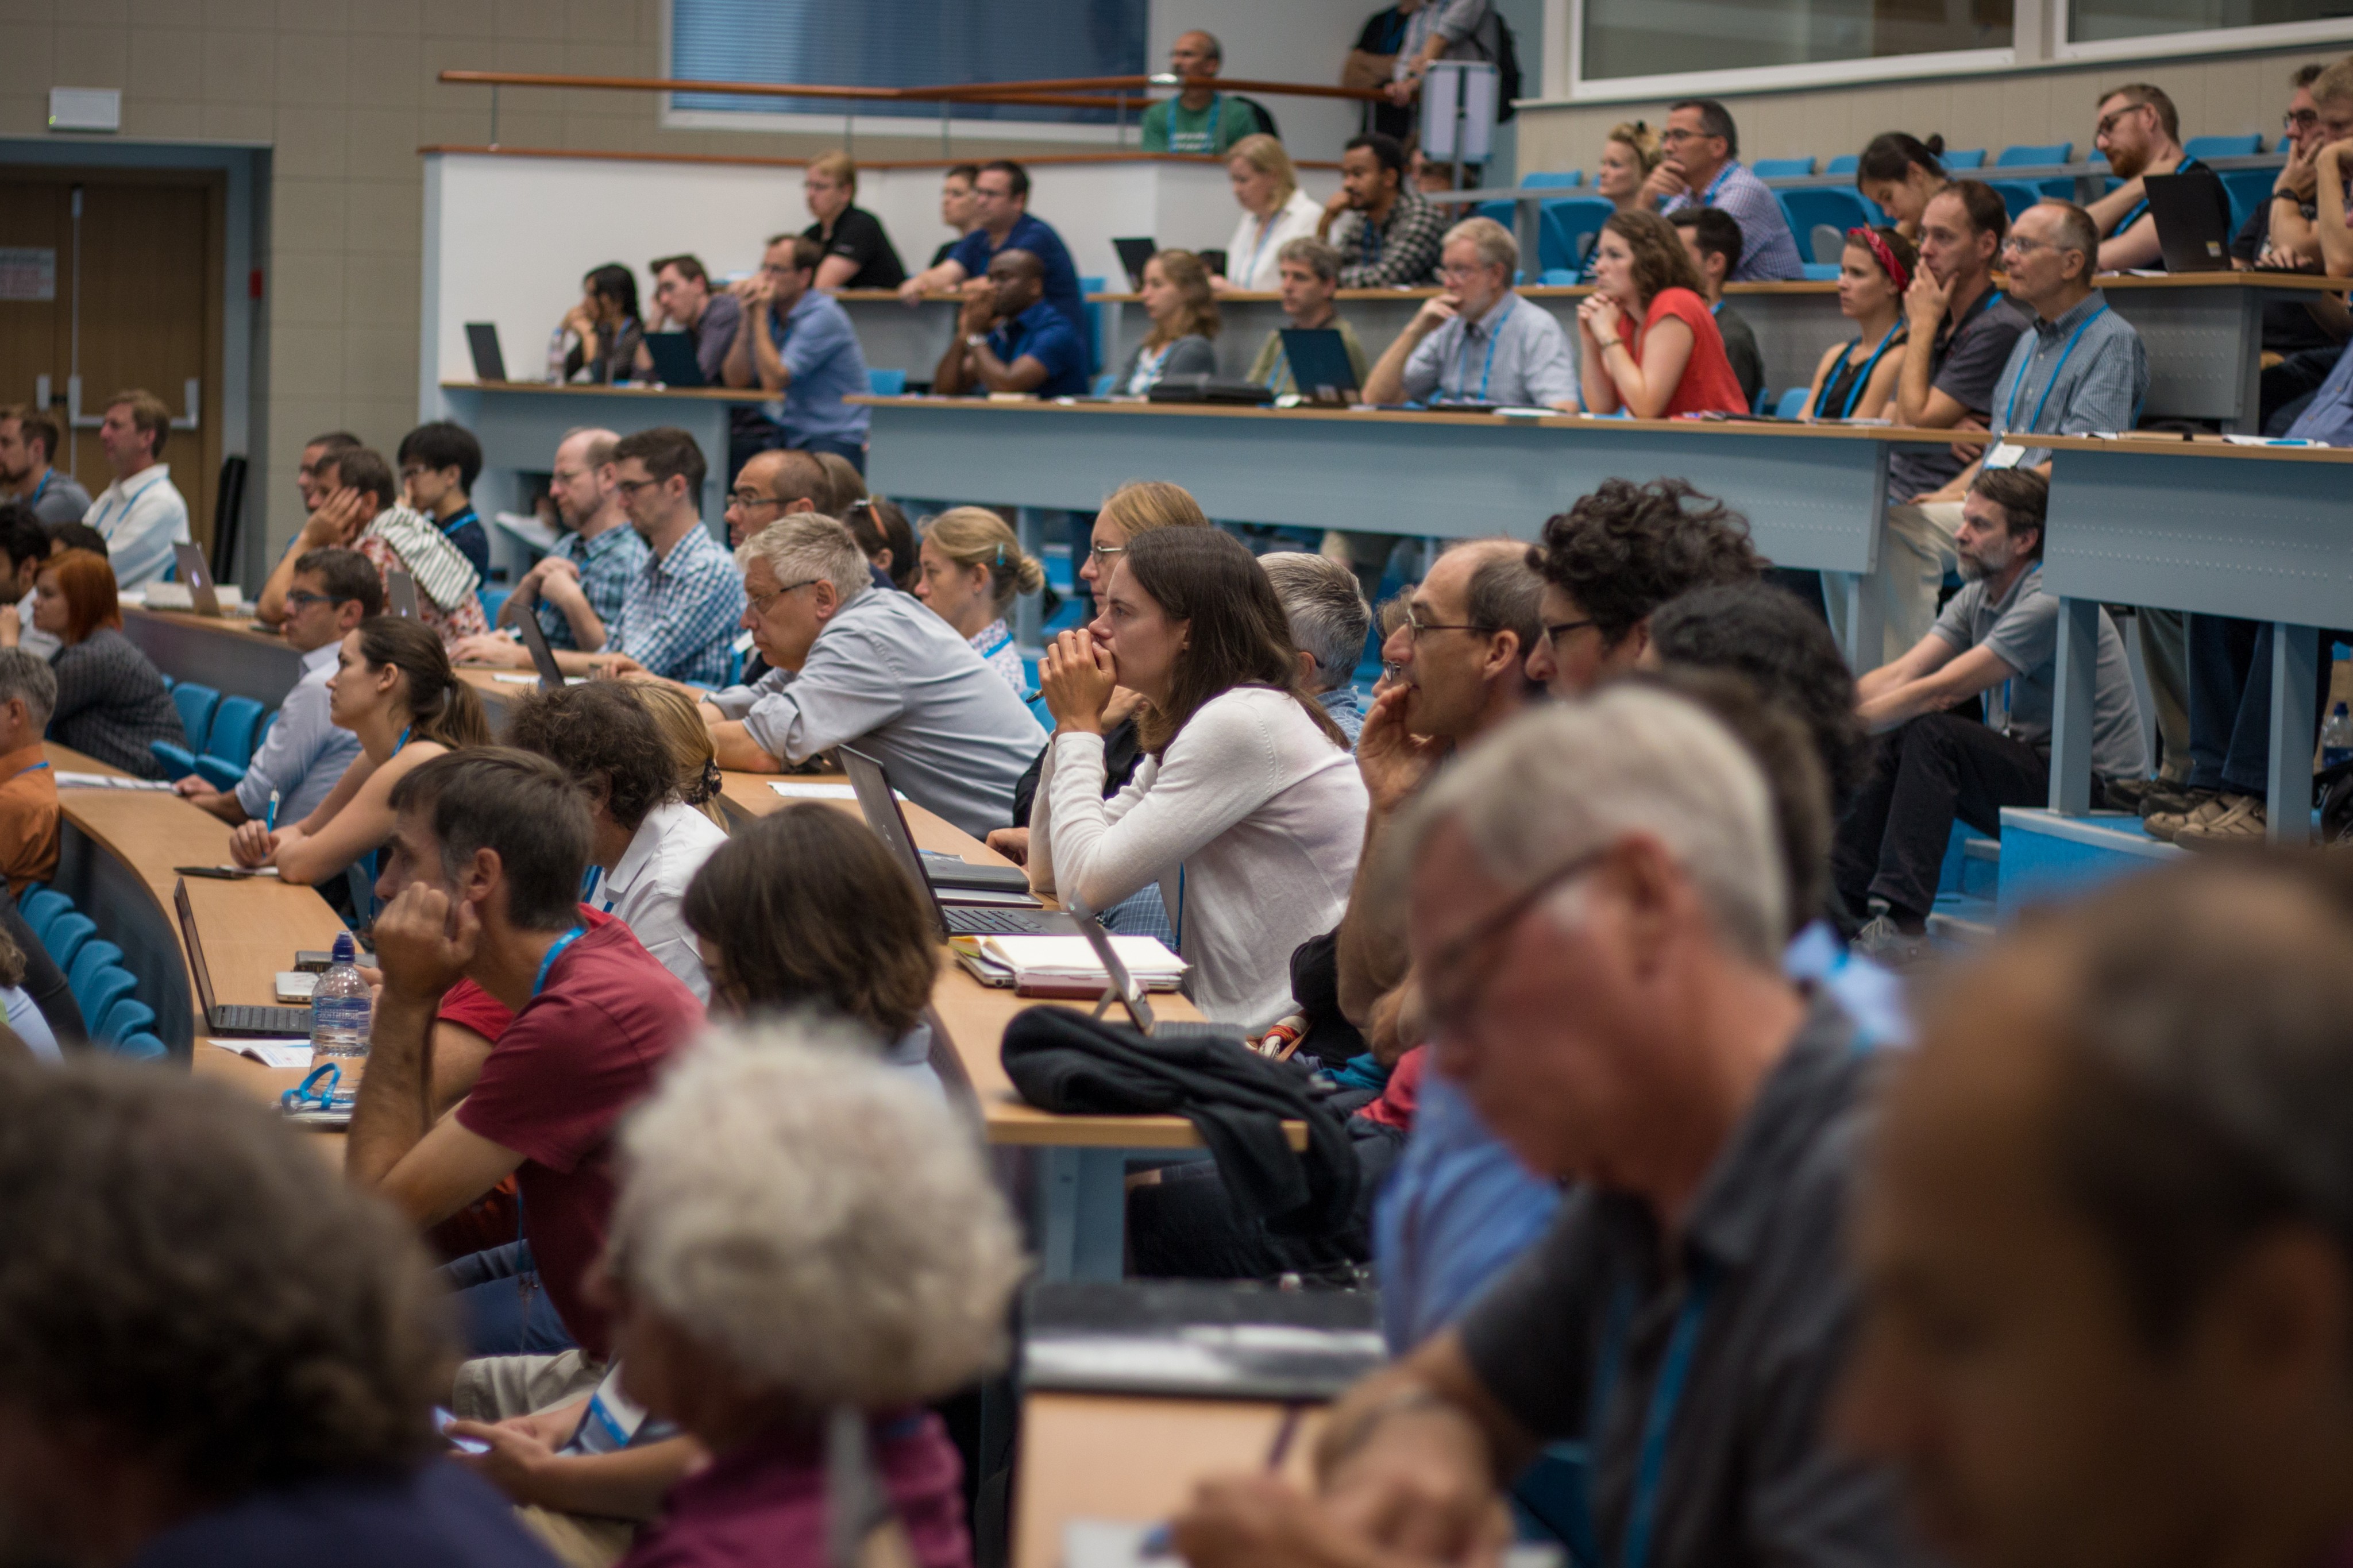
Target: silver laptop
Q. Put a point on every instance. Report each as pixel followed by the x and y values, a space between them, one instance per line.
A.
pixel 542 658
pixel 890 824
pixel 190 562
pixel 237 1018
pixel 1124 990
pixel 400 593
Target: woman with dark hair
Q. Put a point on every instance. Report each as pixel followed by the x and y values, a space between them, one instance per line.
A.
pixel 805 908
pixel 605 325
pixel 393 687
pixel 1856 380
pixel 882 531
pixel 1650 345
pixel 110 700
pixel 646 844
pixel 1900 173
pixel 1246 808
pixel 1184 316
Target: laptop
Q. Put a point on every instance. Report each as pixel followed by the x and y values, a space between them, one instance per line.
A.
pixel 237 1018
pixel 1133 254
pixel 542 658
pixel 482 338
pixel 1319 364
pixel 1125 991
pixel 400 593
pixel 2193 220
pixel 890 824
pixel 674 360
pixel 202 597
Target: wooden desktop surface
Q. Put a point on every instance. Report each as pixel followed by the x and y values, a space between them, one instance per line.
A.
pixel 239 624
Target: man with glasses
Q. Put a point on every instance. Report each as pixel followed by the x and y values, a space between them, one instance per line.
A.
pixel 1702 169
pixel 2332 102
pixel 1478 342
pixel 577 588
pixel 851 664
pixel 1597 907
pixel 678 615
pixel 2139 134
pixel 305 756
pixel 797 344
pixel 2282 234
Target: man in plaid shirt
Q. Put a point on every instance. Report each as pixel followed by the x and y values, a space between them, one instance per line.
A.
pixel 1387 237
pixel 679 616
pixel 577 588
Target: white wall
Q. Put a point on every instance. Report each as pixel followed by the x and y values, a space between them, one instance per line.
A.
pixel 507 240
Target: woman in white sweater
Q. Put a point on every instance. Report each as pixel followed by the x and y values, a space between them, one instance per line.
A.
pixel 1247 810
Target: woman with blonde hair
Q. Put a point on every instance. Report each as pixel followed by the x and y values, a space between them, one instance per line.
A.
pixel 857 252
pixel 689 740
pixel 1184 314
pixel 972 568
pixel 1628 154
pixel 1275 211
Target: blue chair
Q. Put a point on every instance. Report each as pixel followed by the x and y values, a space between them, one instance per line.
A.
pixel 41 909
pixel 1555 180
pixel 2248 189
pixel 493 600
pixel 1845 164
pixel 1090 316
pixel 1561 278
pixel 2025 155
pixel 2245 146
pixel 109 987
pixel 2018 195
pixel 67 935
pixel 127 1017
pixel 1809 212
pixel 1972 159
pixel 887 383
pixel 195 704
pixel 1562 226
pixel 1504 213
pixel 235 723
pixel 141 1049
pixel 96 954
pixel 1820 271
pixel 1793 402
pixel 1781 168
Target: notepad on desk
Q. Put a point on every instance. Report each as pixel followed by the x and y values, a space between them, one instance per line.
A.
pixel 1028 959
pixel 108 780
pixel 291 1053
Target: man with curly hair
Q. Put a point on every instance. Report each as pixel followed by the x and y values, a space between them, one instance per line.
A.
pixel 209 1354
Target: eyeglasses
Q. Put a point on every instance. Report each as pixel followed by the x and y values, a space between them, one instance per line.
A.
pixel 1677 133
pixel 1556 630
pixel 2023 243
pixel 1463 272
pixel 2299 120
pixel 1448 992
pixel 760 601
pixel 302 598
pixel 631 486
pixel 1415 625
pixel 750 499
pixel 2109 121
pixel 1104 552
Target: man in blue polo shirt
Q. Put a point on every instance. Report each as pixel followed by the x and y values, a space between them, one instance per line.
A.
pixel 1032 348
pixel 1000 198
pixel 797 342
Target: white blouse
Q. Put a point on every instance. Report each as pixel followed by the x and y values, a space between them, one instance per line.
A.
pixel 1253 257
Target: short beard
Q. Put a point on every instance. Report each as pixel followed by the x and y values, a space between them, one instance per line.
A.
pixel 1977 569
pixel 2131 166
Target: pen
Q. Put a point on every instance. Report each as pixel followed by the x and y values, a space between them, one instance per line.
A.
pixel 270 822
pixel 1157 1541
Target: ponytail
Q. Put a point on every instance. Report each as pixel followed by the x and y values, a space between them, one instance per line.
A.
pixel 441 707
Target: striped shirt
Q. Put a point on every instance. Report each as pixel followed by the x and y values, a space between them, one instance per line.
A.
pixel 680 616
pixel 399 538
pixel 608 564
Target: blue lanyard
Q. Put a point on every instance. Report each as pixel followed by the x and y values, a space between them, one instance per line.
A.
pixel 1707 197
pixel 48 478
pixel 460 521
pixel 1003 640
pixel 567 940
pixel 1208 138
pixel 1494 330
pixel 1863 376
pixel 2010 414
pixel 1657 1422
pixel 27 768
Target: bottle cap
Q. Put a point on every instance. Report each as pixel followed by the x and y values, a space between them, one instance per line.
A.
pixel 345 949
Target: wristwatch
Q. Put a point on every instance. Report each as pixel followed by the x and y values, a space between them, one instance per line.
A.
pixel 975 340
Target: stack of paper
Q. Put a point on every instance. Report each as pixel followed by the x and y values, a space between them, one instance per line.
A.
pixel 1030 960
pixel 108 780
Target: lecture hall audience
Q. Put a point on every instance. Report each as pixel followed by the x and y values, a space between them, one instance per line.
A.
pixel 684 302
pixel 1857 379
pixel 393 687
pixel 645 843
pixel 1183 312
pixel 28 449
pixel 439 465
pixel 142 514
pixel 1649 344
pixel 29 787
pixel 1000 201
pixel 1900 173
pixel 1309 278
pixel 1387 235
pixel 1702 167
pixel 1998 636
pixel 110 702
pixel 2139 134
pixel 1246 855
pixel 973 567
pixel 1199 120
pixel 1275 212
pixel 797 344
pixel 1711 240
pixel 858 252
pixel 857 664
pixel 1596 911
pixel 306 752
pixel 359 509
pixel 1009 337
pixel 1525 358
pixel 602 334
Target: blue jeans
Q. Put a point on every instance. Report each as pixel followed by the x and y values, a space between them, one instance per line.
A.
pixel 506 1310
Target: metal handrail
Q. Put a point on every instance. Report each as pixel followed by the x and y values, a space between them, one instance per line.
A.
pixel 1059 93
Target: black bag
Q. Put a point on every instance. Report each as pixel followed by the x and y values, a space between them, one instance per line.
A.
pixel 1238 1100
pixel 1507 68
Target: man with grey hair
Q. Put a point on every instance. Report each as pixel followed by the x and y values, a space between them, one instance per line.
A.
pixel 1596 916
pixel 1477 341
pixel 1329 619
pixel 28 789
pixel 850 665
pixel 2105 1234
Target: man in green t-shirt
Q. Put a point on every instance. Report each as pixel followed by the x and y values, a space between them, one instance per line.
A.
pixel 1199 119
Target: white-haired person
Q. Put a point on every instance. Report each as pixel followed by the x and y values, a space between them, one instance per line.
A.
pixel 972 568
pixel 803 1234
pixel 1329 622
pixel 1477 341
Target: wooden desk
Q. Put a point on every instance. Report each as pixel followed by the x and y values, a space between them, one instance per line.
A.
pixel 223 652
pixel 1109 1457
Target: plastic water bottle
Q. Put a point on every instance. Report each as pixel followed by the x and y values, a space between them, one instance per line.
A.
pixel 559 344
pixel 2337 738
pixel 340 1018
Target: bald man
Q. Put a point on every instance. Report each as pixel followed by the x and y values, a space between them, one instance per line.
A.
pixel 1200 119
pixel 576 587
pixel 1010 340
pixel 2105 1234
pixel 769 486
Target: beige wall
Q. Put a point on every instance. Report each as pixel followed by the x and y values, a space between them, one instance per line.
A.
pixel 2216 95
pixel 344 92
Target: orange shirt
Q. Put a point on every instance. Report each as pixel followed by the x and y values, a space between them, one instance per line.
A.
pixel 28 818
pixel 1707 383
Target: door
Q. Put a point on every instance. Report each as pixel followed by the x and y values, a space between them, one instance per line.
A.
pixel 143 263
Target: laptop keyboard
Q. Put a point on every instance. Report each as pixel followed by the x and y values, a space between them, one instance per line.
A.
pixel 263 1020
pixel 969 920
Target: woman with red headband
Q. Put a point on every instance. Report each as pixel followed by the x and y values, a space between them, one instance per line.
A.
pixel 1857 379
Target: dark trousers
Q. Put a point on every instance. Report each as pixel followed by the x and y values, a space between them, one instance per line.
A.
pixel 2231 703
pixel 1188 1226
pixel 2288 387
pixel 500 1301
pixel 1929 772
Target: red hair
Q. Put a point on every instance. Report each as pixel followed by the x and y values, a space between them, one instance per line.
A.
pixel 86 578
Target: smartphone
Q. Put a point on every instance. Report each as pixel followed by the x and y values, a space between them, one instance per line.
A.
pixel 226 873
pixel 441 1419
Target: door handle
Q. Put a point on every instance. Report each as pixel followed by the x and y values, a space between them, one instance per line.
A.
pixel 191 394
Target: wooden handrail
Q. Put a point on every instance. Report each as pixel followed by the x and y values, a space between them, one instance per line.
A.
pixel 1049 93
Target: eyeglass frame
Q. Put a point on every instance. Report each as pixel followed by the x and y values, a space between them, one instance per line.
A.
pixel 748 499
pixel 1497 922
pixel 630 488
pixel 1414 627
pixel 298 599
pixel 2307 120
pixel 758 604
pixel 2110 121
pixel 1555 630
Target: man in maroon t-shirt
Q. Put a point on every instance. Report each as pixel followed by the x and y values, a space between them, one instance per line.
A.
pixel 482 875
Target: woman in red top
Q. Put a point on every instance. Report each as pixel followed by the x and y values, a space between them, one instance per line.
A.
pixel 1651 346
